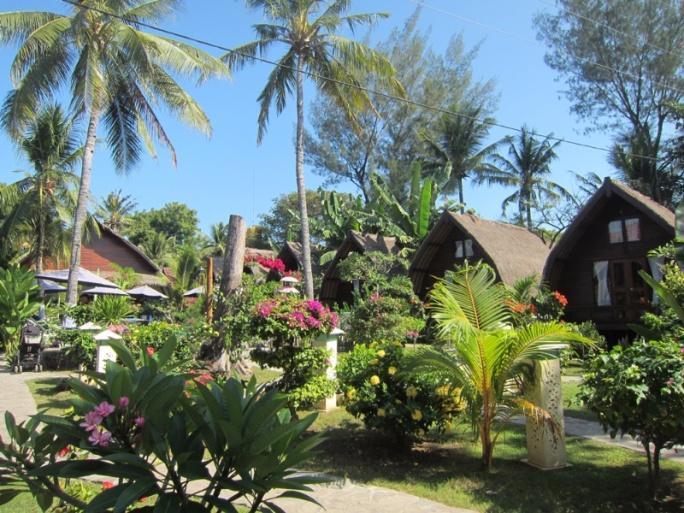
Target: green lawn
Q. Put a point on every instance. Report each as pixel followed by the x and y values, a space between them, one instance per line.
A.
pixel 571 406
pixel 446 469
pixel 50 393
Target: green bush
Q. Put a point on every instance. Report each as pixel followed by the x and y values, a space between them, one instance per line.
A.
pixel 154 335
pixel 639 391
pixel 79 347
pixel 384 397
pixel 18 303
pixel 386 318
pixel 154 435
pixel 112 309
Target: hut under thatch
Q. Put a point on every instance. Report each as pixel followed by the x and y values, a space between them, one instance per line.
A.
pixel 291 256
pixel 596 262
pixel 333 289
pixel 512 251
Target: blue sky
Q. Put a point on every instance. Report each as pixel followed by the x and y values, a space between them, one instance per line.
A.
pixel 230 174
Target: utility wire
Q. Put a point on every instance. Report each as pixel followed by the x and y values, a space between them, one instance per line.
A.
pixel 492 28
pixel 367 90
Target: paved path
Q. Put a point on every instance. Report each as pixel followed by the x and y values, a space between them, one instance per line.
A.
pixel 15 395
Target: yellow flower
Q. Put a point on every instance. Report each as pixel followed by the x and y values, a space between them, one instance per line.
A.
pixel 374 361
pixel 351 393
pixel 375 380
pixel 411 392
pixel 442 391
pixel 381 353
pixel 391 370
pixel 417 415
pixel 381 412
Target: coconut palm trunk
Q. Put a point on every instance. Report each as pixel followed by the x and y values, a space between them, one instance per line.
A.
pixel 41 229
pixel 82 207
pixel 301 188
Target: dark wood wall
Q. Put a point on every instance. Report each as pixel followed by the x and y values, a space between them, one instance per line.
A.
pixel 445 260
pixel 573 272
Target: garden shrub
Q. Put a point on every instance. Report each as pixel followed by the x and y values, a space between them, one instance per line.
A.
pixel 160 435
pixel 79 347
pixel 378 391
pixel 18 303
pixel 662 322
pixel 155 335
pixel 290 324
pixel 112 309
pixel 639 390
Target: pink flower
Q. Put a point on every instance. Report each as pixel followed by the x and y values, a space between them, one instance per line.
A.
pixel 106 485
pixel 204 378
pixel 139 421
pixel 670 382
pixel 334 319
pixel 375 296
pixel 118 328
pixel 412 334
pixel 100 437
pixel 123 402
pixel 104 409
pixel 315 307
pixel 150 350
pixel 91 420
pixel 64 451
pixel 312 322
pixel 265 308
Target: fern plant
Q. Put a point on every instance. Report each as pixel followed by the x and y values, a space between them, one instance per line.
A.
pixel 112 309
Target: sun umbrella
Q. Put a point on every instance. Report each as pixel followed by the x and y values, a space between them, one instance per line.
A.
pixel 85 277
pixel 197 291
pixel 107 335
pixel 90 326
pixel 146 292
pixel 104 291
pixel 289 279
pixel 50 287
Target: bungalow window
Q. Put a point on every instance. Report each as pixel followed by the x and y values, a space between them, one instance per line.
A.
pixel 601 286
pixel 464 248
pixel 624 229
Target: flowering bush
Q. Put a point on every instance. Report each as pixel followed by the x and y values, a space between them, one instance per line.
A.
pixel 272 264
pixel 291 319
pixel 152 435
pixel 155 335
pixel 386 318
pixel 639 390
pixel 381 395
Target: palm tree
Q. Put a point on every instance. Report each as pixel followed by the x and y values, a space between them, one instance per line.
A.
pixel 50 145
pixel 307 31
pixel 526 170
pixel 217 239
pixel 483 354
pixel 159 248
pixel 458 142
pixel 115 209
pixel 117 74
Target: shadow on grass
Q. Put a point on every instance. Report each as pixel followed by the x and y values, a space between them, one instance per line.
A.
pixel 52 394
pixel 602 479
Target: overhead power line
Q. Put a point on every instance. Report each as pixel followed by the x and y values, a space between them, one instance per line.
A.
pixel 533 42
pixel 367 90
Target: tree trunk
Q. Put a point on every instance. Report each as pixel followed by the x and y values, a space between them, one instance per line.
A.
pixel 301 189
pixel 656 469
pixel 41 229
pixel 461 198
pixel 82 207
pixel 209 293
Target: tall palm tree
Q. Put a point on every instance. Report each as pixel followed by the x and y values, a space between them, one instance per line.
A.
pixel 458 142
pixel 526 169
pixel 159 247
pixel 306 30
pixel 217 239
pixel 114 210
pixel 484 354
pixel 117 75
pixel 50 144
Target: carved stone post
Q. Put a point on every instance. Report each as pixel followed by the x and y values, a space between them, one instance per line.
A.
pixel 546 446
pixel 329 342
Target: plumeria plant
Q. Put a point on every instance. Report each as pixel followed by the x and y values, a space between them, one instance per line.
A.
pixel 184 442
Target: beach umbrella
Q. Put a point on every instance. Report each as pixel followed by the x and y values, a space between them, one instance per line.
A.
pixel 197 291
pixel 289 290
pixel 146 292
pixel 104 291
pixel 90 326
pixel 84 276
pixel 287 280
pixel 50 287
pixel 107 335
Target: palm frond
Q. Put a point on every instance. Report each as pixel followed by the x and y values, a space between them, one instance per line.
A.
pixel 279 86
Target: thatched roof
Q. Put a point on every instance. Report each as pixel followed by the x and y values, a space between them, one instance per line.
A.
pixel 358 243
pixel 135 249
pixel 661 215
pixel 513 251
pixel 291 251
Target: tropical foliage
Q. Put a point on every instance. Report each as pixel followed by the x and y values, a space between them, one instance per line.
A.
pixel 483 354
pixel 18 303
pixel 159 435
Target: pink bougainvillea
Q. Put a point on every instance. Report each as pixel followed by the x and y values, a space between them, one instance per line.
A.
pixel 290 317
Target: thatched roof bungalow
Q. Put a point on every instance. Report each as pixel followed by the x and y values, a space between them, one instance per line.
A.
pixel 333 289
pixel 291 256
pixel 596 262
pixel 512 251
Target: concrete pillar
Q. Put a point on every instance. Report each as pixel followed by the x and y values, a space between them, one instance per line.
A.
pixel 105 354
pixel 546 447
pixel 329 342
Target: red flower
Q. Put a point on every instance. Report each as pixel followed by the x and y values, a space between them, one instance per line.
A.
pixel 150 350
pixel 64 451
pixel 106 485
pixel 562 300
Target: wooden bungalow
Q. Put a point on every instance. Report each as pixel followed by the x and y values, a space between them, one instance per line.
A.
pixel 596 262
pixel 512 251
pixel 333 289
pixel 291 256
pixel 101 253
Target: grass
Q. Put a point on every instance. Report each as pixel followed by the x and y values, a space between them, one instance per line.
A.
pixel 571 406
pixel 52 394
pixel 602 479
pixel 25 503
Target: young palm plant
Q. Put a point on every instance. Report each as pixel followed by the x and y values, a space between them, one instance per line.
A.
pixel 307 31
pixel 484 354
pixel 114 210
pixel 117 74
